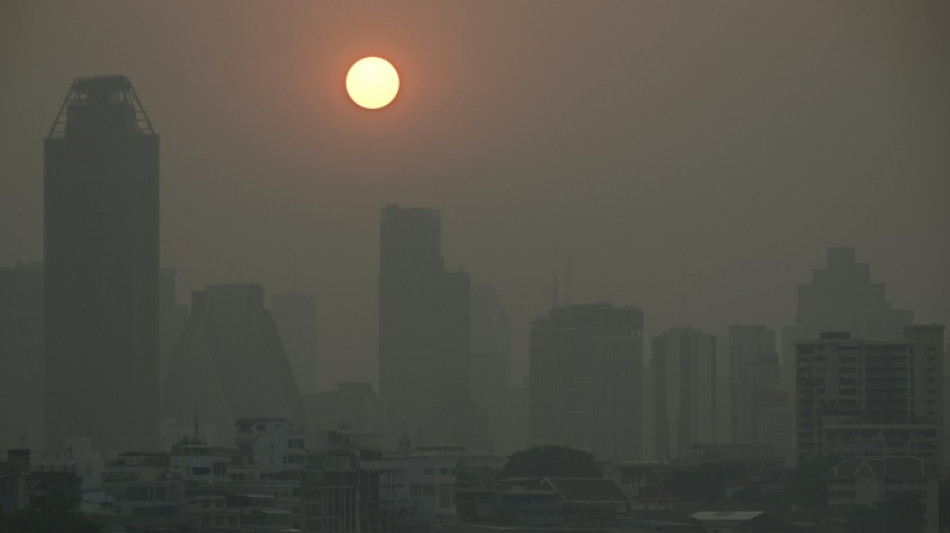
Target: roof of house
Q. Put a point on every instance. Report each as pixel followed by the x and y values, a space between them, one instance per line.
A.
pixel 887 467
pixel 599 490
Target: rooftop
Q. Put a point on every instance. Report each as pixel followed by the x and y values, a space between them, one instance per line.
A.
pixel 886 467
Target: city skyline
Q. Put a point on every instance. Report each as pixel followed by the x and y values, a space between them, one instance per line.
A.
pixel 474 266
pixel 704 206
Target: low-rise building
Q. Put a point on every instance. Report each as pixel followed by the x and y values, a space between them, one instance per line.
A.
pixel 21 485
pixel 865 481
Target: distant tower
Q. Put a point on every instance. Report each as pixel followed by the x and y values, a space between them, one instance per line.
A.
pixel 586 380
pixel 684 384
pixel 295 313
pixel 758 406
pixel 21 356
pixel 490 349
pixel 229 364
pixel 871 398
pixel 841 297
pixel 423 333
pixel 172 316
pixel 101 246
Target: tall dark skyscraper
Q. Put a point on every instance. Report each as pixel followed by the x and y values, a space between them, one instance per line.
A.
pixel 423 332
pixel 101 254
pixel 587 380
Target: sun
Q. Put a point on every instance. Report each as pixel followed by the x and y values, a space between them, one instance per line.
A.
pixel 372 82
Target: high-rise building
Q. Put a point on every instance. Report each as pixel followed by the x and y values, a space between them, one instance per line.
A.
pixel 490 349
pixel 295 313
pixel 423 334
pixel 101 253
pixel 841 297
pixel 172 316
pixel 228 364
pixel 21 356
pixel 757 403
pixel 586 364
pixel 871 398
pixel 684 387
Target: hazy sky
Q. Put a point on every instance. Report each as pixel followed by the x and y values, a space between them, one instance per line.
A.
pixel 692 158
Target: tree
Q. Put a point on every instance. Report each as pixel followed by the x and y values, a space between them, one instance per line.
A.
pixel 550 461
pixel 809 486
pixel 705 483
pixel 902 512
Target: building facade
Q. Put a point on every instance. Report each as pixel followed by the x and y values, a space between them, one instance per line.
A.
pixel 858 397
pixel 424 379
pixel 684 385
pixel 758 404
pixel 840 297
pixel 586 364
pixel 101 273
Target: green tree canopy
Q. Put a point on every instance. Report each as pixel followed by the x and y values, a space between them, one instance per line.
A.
pixel 550 461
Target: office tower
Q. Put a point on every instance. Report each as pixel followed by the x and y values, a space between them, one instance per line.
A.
pixel 423 333
pixel 684 384
pixel 863 397
pixel 228 364
pixel 295 313
pixel 172 316
pixel 101 247
pixel 586 364
pixel 21 356
pixel 840 297
pixel 758 405
pixel 490 349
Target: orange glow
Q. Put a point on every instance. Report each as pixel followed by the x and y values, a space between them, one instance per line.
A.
pixel 372 82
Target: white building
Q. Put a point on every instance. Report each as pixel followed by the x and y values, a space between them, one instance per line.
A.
pixel 277 444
